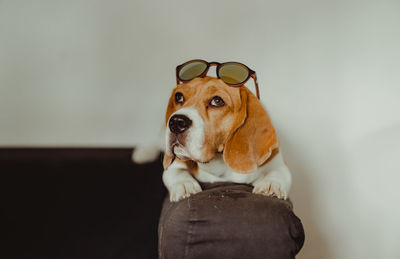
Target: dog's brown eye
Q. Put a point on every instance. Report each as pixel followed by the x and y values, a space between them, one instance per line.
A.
pixel 179 98
pixel 217 101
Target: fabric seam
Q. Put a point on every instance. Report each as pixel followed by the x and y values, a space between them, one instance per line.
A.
pixel 190 228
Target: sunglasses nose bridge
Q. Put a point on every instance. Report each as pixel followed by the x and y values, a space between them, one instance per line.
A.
pixel 212 64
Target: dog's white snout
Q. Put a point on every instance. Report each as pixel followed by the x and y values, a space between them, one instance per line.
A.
pixel 188 121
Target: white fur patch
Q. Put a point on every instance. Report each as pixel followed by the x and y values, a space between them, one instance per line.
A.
pixel 194 137
pixel 271 179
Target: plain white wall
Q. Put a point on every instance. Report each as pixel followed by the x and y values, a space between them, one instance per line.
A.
pixel 99 73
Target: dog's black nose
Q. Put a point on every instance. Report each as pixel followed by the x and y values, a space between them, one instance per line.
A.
pixel 179 123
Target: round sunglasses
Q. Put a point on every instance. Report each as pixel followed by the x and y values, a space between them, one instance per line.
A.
pixel 232 73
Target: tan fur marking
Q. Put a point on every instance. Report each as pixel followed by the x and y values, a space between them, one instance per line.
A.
pixel 193 167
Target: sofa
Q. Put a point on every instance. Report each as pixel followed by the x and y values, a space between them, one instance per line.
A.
pixel 96 203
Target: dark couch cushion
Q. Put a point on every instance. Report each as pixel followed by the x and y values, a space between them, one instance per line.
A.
pixel 79 203
pixel 227 220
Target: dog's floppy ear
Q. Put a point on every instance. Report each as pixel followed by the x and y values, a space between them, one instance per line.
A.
pixel 252 137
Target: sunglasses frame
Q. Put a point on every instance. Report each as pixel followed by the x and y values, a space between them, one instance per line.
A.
pixel 252 73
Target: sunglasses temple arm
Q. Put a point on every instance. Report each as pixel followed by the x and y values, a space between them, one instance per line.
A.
pixel 176 73
pixel 254 76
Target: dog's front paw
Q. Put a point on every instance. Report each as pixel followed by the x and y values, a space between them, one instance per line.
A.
pixel 271 187
pixel 183 190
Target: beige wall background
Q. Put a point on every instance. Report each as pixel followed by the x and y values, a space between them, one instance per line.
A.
pixel 99 73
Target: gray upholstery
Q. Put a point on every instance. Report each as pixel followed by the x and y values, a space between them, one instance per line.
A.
pixel 227 220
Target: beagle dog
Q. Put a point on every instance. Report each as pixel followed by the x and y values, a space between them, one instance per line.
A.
pixel 218 133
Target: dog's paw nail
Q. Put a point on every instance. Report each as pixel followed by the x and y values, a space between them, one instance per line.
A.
pixel 183 190
pixel 270 188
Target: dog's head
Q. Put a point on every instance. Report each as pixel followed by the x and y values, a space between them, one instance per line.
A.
pixel 206 116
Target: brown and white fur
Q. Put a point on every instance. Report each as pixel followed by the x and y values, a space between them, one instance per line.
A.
pixel 235 142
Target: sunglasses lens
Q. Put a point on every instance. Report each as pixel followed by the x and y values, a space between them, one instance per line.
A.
pixel 232 73
pixel 192 70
